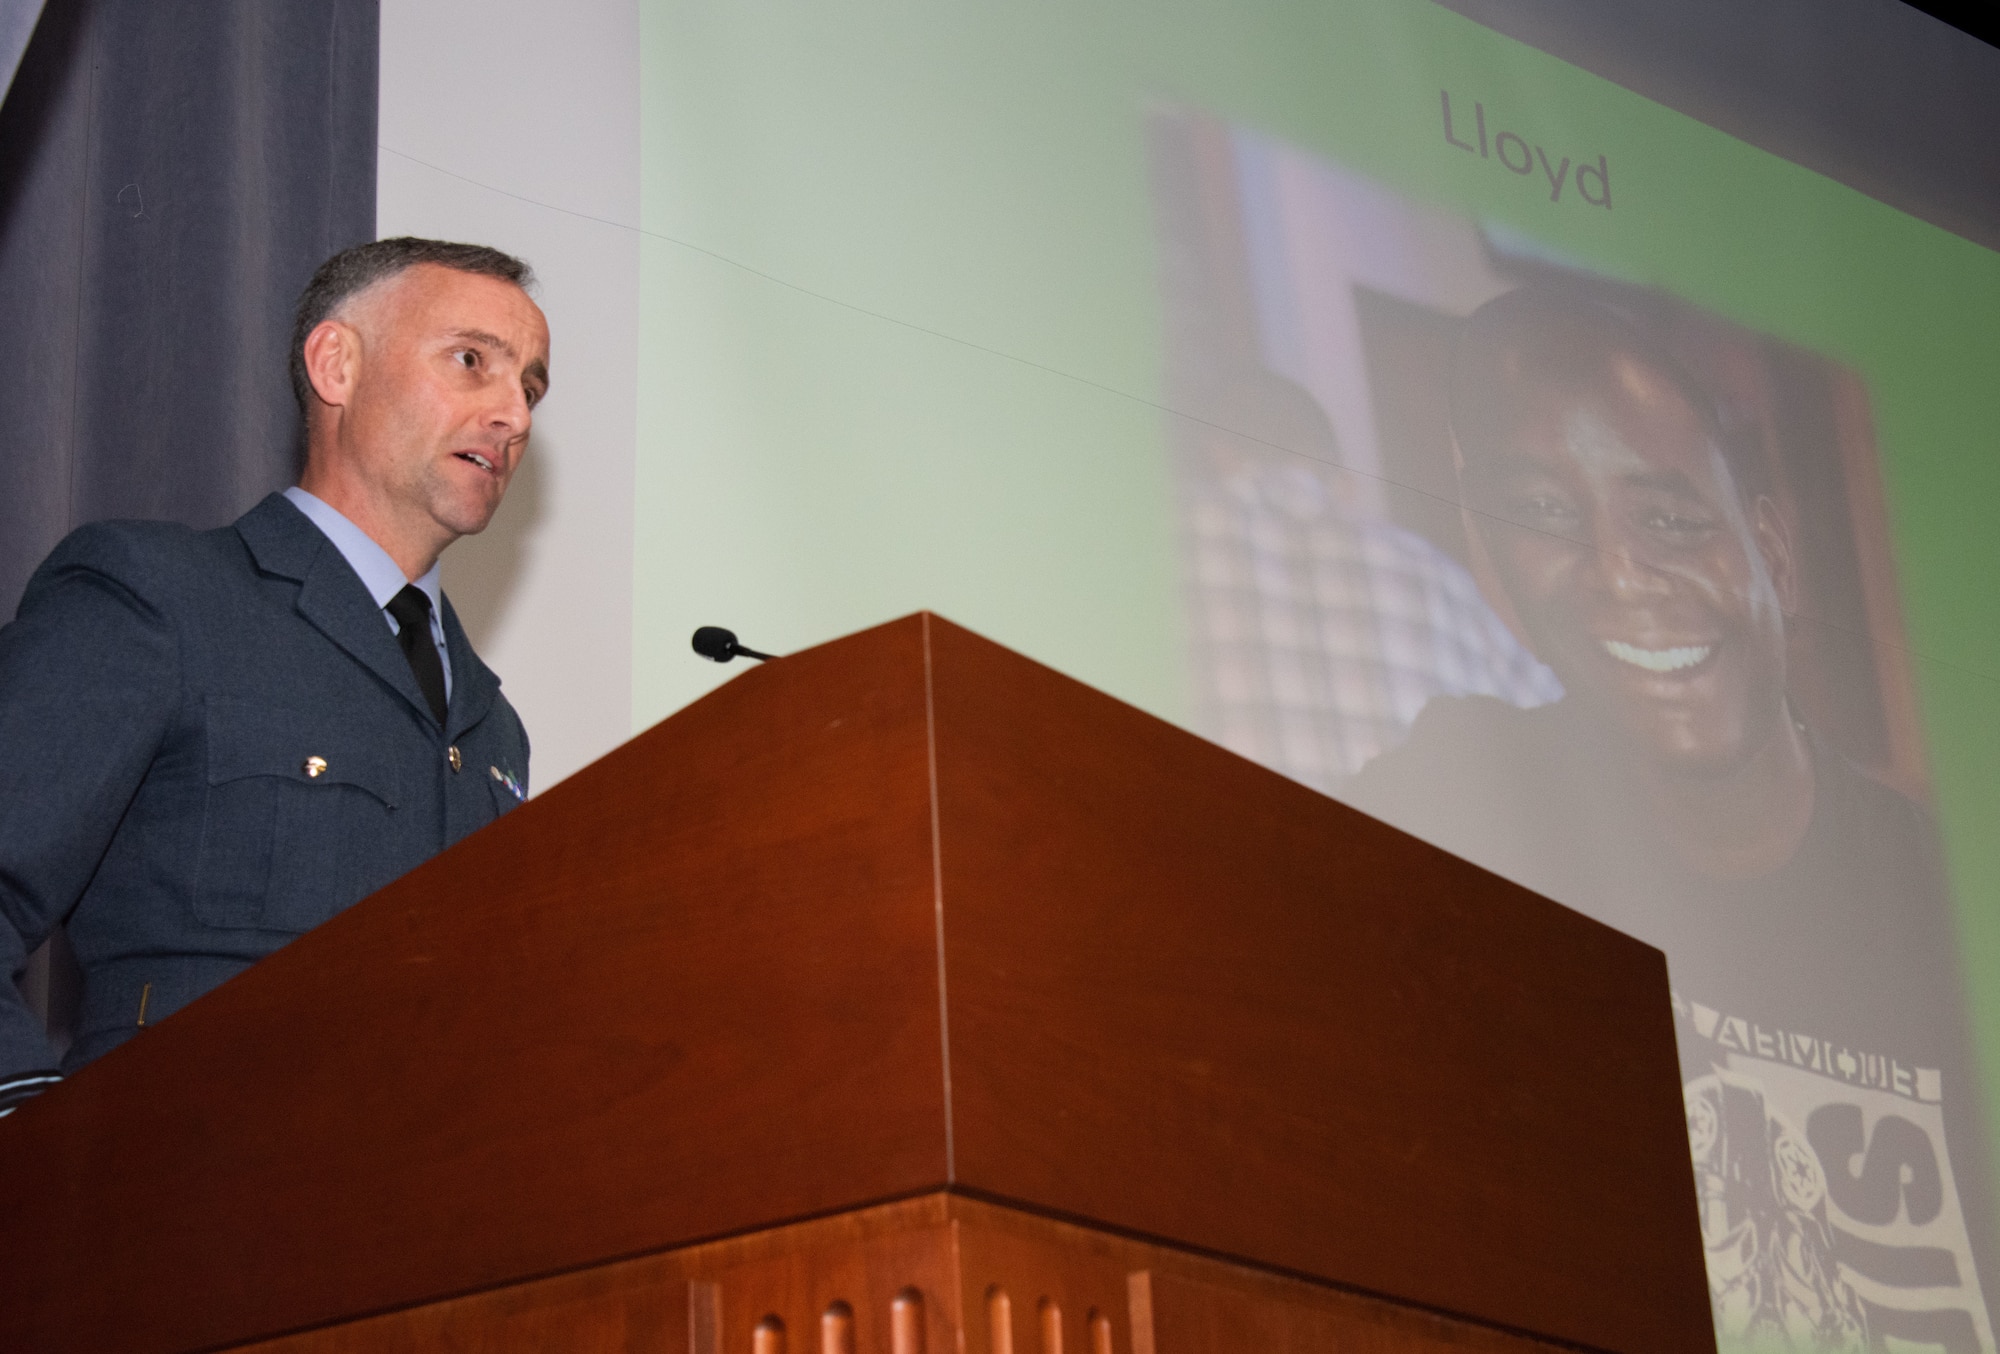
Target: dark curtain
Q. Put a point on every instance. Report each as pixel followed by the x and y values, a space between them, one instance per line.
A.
pixel 171 172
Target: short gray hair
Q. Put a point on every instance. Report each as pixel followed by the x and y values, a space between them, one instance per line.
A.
pixel 353 271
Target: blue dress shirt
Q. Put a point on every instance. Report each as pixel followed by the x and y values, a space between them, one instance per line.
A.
pixel 382 576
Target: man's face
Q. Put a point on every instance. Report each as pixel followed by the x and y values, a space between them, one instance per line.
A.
pixel 1640 576
pixel 451 367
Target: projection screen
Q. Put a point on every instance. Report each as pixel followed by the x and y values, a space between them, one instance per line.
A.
pixel 1436 423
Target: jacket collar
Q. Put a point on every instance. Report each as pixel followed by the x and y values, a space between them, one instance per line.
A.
pixel 285 543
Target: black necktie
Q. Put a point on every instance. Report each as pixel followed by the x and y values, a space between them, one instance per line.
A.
pixel 412 609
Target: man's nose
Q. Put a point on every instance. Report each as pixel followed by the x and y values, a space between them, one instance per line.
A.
pixel 510 411
pixel 1620 569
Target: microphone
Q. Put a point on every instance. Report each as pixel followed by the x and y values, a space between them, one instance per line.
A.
pixel 712 641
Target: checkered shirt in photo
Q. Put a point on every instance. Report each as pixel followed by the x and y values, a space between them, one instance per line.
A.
pixel 1319 636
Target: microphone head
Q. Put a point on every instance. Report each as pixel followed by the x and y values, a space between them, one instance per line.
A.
pixel 712 641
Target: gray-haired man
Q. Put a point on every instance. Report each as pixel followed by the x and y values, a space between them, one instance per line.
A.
pixel 211 742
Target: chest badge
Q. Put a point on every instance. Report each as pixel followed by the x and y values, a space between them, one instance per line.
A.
pixel 451 755
pixel 513 786
pixel 314 767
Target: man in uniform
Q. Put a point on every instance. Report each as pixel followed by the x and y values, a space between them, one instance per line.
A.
pixel 211 742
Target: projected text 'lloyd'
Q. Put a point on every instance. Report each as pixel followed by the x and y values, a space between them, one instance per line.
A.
pixel 1590 181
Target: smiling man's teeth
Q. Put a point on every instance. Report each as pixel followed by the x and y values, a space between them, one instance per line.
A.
pixel 1658 660
pixel 477 459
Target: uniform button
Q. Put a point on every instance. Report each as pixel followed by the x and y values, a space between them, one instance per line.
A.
pixel 314 767
pixel 451 754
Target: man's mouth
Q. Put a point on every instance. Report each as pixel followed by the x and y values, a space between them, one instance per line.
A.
pixel 1675 659
pixel 476 459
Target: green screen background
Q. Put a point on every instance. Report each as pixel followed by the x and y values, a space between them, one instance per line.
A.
pixel 901 343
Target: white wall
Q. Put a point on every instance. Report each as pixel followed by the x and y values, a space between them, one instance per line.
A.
pixel 516 124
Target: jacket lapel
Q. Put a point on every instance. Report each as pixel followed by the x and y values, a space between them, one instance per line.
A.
pixel 284 542
pixel 473 685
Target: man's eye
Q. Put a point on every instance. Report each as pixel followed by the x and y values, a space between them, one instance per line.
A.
pixel 467 358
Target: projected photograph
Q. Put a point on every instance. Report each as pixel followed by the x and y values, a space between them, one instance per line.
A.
pixel 1596 588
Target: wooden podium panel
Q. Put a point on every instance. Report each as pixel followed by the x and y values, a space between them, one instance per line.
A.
pixel 937 1274
pixel 1241 1015
pixel 902 914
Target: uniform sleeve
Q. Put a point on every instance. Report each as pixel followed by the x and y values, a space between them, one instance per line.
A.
pixel 89 678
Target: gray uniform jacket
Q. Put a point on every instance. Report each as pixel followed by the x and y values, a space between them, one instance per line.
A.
pixel 167 700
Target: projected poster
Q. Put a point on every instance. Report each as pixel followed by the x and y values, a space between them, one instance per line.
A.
pixel 1433 422
pixel 1594 587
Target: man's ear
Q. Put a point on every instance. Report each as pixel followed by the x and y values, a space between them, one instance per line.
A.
pixel 333 361
pixel 1774 543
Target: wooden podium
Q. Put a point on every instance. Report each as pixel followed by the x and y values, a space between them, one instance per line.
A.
pixel 903 995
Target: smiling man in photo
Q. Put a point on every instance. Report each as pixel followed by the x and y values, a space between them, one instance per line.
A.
pixel 211 742
pixel 1638 554
pixel 1675 793
pixel 1648 571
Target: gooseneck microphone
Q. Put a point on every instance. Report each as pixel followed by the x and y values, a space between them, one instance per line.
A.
pixel 712 641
